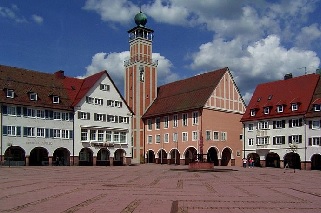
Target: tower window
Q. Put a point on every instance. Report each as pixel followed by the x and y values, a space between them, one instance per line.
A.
pixel 141 73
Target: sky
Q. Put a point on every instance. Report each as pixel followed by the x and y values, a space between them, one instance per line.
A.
pixel 259 40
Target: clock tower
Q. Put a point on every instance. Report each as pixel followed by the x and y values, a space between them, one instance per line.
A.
pixel 140 80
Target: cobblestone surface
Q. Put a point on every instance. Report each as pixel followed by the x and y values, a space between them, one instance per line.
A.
pixel 158 188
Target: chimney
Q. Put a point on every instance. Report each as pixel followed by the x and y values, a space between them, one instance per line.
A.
pixel 288 76
pixel 318 71
pixel 60 74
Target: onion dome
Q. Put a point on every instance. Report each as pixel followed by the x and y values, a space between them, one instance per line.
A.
pixel 140 19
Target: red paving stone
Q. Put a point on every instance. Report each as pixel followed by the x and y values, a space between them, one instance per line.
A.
pixel 158 188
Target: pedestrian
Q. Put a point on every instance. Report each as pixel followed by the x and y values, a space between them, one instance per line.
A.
pixel 244 162
pixel 251 162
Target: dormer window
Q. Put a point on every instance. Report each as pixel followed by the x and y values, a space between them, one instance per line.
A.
pixel 279 108
pixel 266 110
pixel 10 93
pixel 317 107
pixel 55 99
pixel 33 96
pixel 294 107
pixel 253 112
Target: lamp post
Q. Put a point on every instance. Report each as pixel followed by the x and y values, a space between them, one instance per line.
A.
pixel 293 148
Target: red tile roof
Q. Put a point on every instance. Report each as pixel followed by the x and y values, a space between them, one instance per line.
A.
pixel 283 92
pixel 316 99
pixel 191 93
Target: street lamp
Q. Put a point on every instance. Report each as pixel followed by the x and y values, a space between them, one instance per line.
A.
pixel 293 148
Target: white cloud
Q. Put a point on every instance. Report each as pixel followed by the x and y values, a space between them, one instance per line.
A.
pixel 308 35
pixel 262 61
pixel 37 19
pixel 12 13
pixel 114 64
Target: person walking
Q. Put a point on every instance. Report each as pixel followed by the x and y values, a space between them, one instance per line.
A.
pixel 244 162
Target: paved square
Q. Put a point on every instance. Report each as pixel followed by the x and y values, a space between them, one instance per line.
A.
pixel 158 188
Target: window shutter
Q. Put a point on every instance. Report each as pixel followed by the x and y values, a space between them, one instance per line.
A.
pixel 310 124
pixel 4 109
pixel 51 133
pixel 71 116
pixel 283 123
pixel 274 123
pixel 50 114
pixel 19 111
pixel 290 139
pixel 88 116
pixel 300 122
pixel 290 123
pixel 18 130
pixel 79 115
pixel 300 138
pixel 108 118
pixel 95 116
pixel 310 141
pixel 121 104
pixel 47 133
pixel 274 139
pixel 4 130
pixel 116 119
pixel 71 134
pixel 283 139
pixel 104 117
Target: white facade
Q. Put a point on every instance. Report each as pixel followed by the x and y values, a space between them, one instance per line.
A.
pixel 102 126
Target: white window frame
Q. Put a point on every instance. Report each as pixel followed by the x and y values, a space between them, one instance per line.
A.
pixel 175 120
pixel 316 141
pixel 99 101
pixel 266 110
pixel 208 135
pixel 111 103
pixel 223 136
pixel 216 135
pixel 294 107
pixel 100 135
pixel 263 125
pixel 251 141
pixel 30 132
pixel 56 115
pixel 157 123
pixel 157 138
pixel 56 133
pixel 184 136
pixel 11 130
pixel 260 141
pixel 55 99
pixel 279 108
pixel 12 110
pixel 166 138
pixel 317 107
pixel 185 119
pixel 31 113
pixel 316 124
pixel 175 137
pixel 10 93
pixel 109 136
pixel 65 134
pixel 84 135
pixel 104 87
pixel 166 120
pixel 83 116
pixel 33 96
pixel 194 135
pixel 149 124
pixel 149 139
pixel 195 118
pixel 251 127
pixel 253 112
pixel 41 114
pixel 41 132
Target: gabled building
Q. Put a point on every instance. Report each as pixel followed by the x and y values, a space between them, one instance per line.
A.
pixel 282 122
pixel 198 115
pixel 52 119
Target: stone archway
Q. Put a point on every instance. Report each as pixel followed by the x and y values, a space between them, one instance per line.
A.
pixel 85 157
pixel 293 160
pixel 316 162
pixel 61 157
pixel 39 157
pixel 150 156
pixel 162 157
pixel 103 157
pixel 15 156
pixel 272 160
pixel 212 156
pixel 175 157
pixel 256 159
pixel 190 155
pixel 119 157
pixel 226 157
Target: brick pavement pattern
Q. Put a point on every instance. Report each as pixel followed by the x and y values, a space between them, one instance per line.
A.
pixel 158 188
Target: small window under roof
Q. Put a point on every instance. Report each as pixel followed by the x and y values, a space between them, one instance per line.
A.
pixel 259 99
pixel 270 97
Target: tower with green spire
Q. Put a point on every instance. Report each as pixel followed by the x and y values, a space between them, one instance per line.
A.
pixel 140 79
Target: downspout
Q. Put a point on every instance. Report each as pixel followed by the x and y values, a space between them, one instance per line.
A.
pixel 144 145
pixel 201 135
pixel 73 141
pixel 243 140
pixel 305 143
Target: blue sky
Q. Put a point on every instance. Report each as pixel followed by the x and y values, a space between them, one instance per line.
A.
pixel 259 40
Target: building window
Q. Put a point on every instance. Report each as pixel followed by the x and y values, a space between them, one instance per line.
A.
pixel 41 113
pixel 175 137
pixel 116 137
pixel 84 134
pixel 166 138
pixel 123 119
pixel 150 139
pixel 158 139
pixel 99 101
pixel 278 140
pixel 104 87
pixel 118 104
pixel 109 136
pixel 110 103
pixel 251 141
pixel 294 107
pixel 56 115
pixel 89 100
pixel 295 139
pixel 223 136
pixel 84 115
pixel 216 136
pixel 194 136
pixel 317 107
pixel 262 140
pixel 33 96
pixel 56 133
pixel 149 124
pixel 29 131
pixel 11 110
pixel 123 137
pixel 31 113
pixel 10 93
pixel 185 119
pixel 266 110
pixel 316 141
pixel 184 136
pixel 208 135
pixel 251 127
pixel 41 132
pixel 65 134
pixel 175 121
pixel 166 122
pixel 263 125
pixel 100 117
pixel 157 123
pixel 93 134
pixel 11 130
pixel 253 112
pixel 101 135
pixel 279 108
pixel 279 124
pixel 55 99
pixel 295 122
pixel 315 124
pixel 195 118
